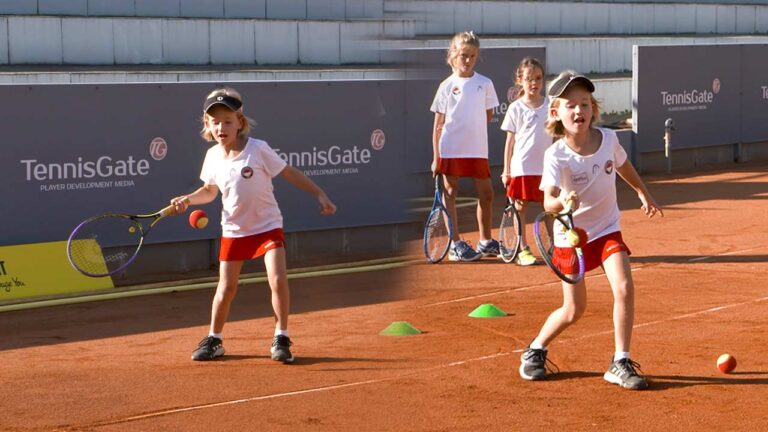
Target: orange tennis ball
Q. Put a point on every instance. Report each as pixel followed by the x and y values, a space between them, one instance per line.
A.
pixel 198 219
pixel 726 363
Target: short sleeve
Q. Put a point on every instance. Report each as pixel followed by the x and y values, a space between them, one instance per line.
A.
pixel 273 163
pixel 619 154
pixel 491 99
pixel 550 175
pixel 440 103
pixel 208 172
pixel 508 124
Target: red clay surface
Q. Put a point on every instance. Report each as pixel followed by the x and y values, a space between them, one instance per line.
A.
pixel 699 272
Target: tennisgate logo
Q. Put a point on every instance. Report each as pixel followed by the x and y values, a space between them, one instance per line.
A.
pixel 690 99
pixel 334 159
pixel 100 172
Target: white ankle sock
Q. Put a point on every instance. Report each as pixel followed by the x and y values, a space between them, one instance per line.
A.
pixel 618 355
pixel 279 332
pixel 217 335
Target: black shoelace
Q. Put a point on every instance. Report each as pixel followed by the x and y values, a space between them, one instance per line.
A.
pixel 539 356
pixel 629 366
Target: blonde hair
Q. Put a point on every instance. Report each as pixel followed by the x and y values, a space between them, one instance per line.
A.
pixel 459 39
pixel 247 122
pixel 528 62
pixel 554 127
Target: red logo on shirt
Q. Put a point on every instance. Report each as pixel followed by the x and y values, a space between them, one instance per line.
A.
pixel 246 172
pixel 456 91
pixel 609 167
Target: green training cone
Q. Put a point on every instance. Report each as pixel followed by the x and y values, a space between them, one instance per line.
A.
pixel 400 328
pixel 487 311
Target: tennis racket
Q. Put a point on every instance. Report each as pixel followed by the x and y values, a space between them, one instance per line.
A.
pixel 438 229
pixel 107 244
pixel 510 232
pixel 565 260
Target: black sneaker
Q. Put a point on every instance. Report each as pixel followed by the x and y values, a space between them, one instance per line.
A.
pixel 533 364
pixel 210 348
pixel 281 349
pixel 622 372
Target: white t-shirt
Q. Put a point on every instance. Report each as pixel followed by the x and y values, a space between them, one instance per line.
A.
pixel 593 177
pixel 464 102
pixel 531 139
pixel 248 202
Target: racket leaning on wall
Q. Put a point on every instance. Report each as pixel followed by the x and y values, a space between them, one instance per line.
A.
pixel 438 229
pixel 568 261
pixel 107 244
pixel 510 232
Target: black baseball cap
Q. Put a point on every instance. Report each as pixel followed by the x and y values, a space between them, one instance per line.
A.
pixel 565 80
pixel 230 102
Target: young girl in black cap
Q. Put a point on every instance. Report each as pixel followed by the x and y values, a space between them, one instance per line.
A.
pixel 580 172
pixel 242 168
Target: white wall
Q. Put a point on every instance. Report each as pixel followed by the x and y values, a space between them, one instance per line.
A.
pixel 547 18
pixel 126 41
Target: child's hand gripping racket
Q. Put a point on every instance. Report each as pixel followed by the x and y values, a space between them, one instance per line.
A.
pixel 438 229
pixel 560 244
pixel 107 244
pixel 510 232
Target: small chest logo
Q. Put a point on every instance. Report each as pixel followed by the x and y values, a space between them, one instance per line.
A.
pixel 579 178
pixel 609 167
pixel 456 91
pixel 246 172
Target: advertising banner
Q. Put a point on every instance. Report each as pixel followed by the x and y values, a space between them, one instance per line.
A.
pixel 39 270
pixel 754 93
pixel 74 151
pixel 697 86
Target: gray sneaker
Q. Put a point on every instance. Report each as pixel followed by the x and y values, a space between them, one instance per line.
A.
pixel 462 251
pixel 533 364
pixel 208 349
pixel 622 372
pixel 281 349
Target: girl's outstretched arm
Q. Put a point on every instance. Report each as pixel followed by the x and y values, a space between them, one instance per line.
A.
pixel 630 175
pixel 298 179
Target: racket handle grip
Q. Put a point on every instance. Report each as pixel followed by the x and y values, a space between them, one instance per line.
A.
pixel 168 211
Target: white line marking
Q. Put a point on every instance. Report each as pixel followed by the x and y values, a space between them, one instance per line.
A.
pixel 703 258
pixel 287 394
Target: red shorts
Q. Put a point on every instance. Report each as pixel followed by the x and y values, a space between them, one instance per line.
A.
pixel 252 246
pixel 525 188
pixel 595 252
pixel 465 167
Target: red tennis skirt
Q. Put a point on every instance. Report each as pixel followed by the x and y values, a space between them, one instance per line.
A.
pixel 465 167
pixel 525 188
pixel 595 252
pixel 252 246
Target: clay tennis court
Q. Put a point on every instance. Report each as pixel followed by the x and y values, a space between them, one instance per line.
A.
pixel 123 365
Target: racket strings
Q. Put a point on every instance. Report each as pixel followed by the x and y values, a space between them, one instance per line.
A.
pixel 437 235
pixel 509 233
pixel 104 245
